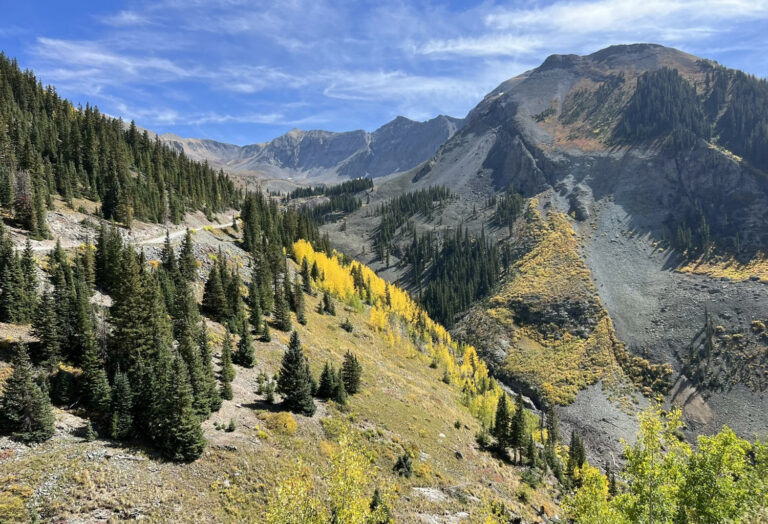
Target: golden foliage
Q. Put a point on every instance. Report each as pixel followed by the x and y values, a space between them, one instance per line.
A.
pixel 281 422
pixel 729 268
pixel 461 363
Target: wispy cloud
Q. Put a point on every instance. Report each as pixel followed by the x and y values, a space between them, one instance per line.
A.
pixel 212 65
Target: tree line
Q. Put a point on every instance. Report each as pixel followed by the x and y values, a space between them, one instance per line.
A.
pixel 50 147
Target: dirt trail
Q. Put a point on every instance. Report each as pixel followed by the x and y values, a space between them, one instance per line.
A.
pixel 133 236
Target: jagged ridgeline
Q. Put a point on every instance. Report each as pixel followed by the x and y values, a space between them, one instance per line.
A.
pixel 48 147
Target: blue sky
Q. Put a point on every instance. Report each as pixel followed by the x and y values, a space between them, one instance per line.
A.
pixel 247 71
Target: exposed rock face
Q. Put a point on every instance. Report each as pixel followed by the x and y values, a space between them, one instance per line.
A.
pixel 397 146
pixel 549 132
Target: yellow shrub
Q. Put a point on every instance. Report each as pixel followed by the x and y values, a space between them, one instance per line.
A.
pixel 281 422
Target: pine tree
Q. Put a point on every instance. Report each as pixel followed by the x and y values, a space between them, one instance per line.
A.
pixel 187 261
pixel 26 413
pixel 88 433
pixel 328 382
pixel 351 371
pixel 29 275
pixel 255 314
pixel 501 425
pixel 553 426
pixel 182 438
pixel 294 381
pixel 214 297
pixel 577 455
pixel 531 453
pixel 122 407
pixel 190 353
pixel 168 256
pixel 206 360
pixel 340 393
pixel 98 394
pixel 227 373
pixel 244 355
pixel 282 312
pixel 45 328
pixel 266 336
pixel 517 428
pixel 298 300
pixel 328 306
pixel 306 279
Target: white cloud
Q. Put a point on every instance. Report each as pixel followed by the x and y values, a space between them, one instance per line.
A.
pixel 125 18
pixel 490 45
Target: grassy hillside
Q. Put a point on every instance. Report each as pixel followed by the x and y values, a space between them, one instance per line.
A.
pixel 422 395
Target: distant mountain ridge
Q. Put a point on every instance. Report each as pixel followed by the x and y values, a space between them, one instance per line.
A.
pixel 395 147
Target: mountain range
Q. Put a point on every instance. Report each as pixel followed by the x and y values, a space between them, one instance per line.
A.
pixel 324 155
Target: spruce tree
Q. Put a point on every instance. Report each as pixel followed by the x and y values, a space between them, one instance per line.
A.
pixel 340 393
pixel 295 381
pixel 266 336
pixel 98 394
pixel 282 312
pixel 26 413
pixel 182 437
pixel 553 426
pixel 187 261
pixel 328 306
pixel 206 360
pixel 328 382
pixel 214 298
pixel 501 426
pixel 244 355
pixel 577 454
pixel 298 300
pixel 121 426
pixel 351 371
pixel 89 435
pixel 45 328
pixel 306 279
pixel 227 373
pixel 168 256
pixel 190 353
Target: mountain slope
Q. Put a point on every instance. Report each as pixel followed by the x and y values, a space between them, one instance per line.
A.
pixel 396 146
pixel 635 145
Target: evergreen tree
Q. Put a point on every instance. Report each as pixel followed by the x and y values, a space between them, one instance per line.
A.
pixel 266 336
pixel 340 393
pixel 206 359
pixel 328 382
pixel 45 328
pixel 577 455
pixel 351 371
pixel 96 387
pixel 182 438
pixel 214 298
pixel 244 355
pixel 328 306
pixel 168 256
pixel 531 453
pixel 255 314
pixel 122 407
pixel 227 373
pixel 298 300
pixel 501 425
pixel 517 428
pixel 306 279
pixel 282 312
pixel 89 434
pixel 553 426
pixel 190 353
pixel 26 413
pixel 294 381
